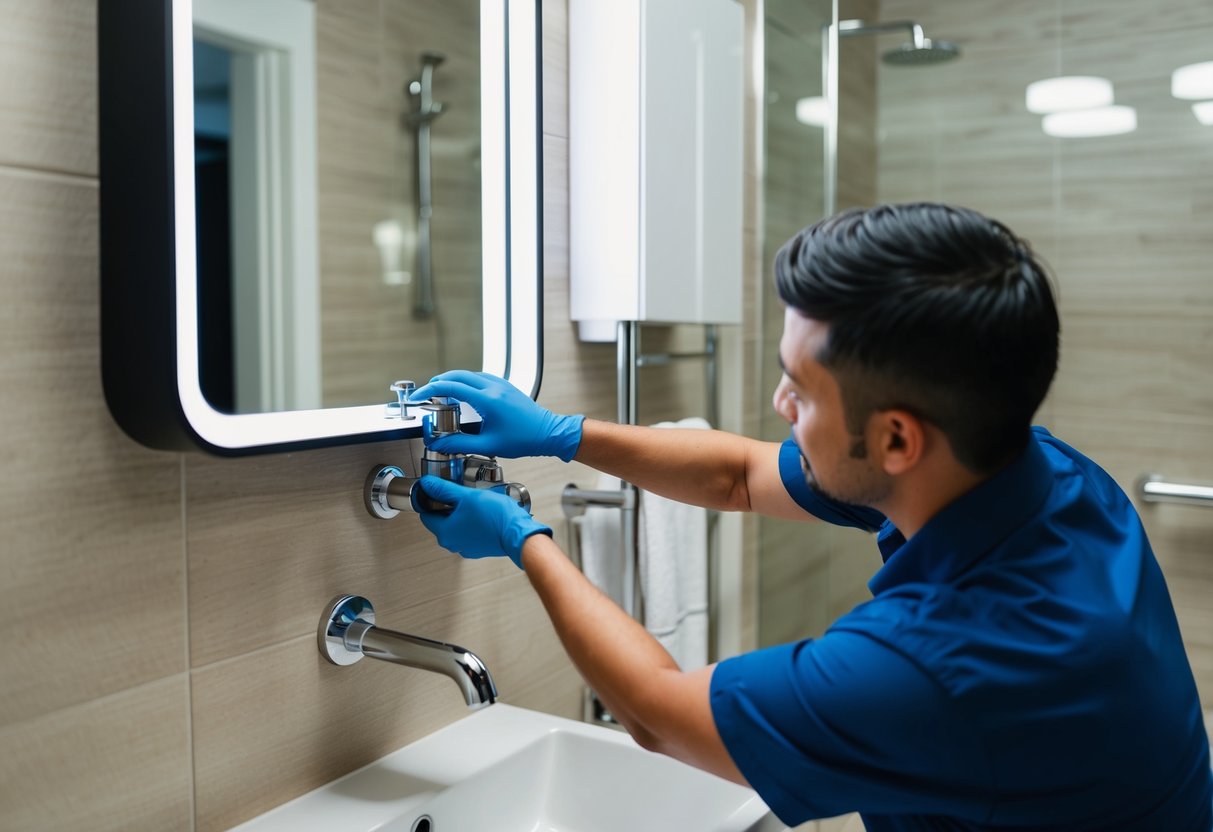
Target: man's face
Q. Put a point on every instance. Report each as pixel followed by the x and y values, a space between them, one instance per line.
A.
pixel 809 399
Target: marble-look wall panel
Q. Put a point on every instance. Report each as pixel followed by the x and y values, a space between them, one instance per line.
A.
pixel 48 98
pixel 91 556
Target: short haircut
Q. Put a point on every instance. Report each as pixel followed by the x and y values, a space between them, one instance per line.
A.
pixel 933 309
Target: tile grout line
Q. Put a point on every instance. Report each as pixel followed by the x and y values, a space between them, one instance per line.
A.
pixel 94 701
pixel 49 174
pixel 189 674
pixel 312 635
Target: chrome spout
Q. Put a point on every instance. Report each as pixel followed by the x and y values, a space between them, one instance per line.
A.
pixel 348 632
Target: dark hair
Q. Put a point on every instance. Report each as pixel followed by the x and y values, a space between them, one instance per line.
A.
pixel 933 309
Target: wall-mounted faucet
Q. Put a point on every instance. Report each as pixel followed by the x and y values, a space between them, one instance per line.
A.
pixel 348 632
pixel 388 490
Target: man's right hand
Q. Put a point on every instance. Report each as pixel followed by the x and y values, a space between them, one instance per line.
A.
pixel 512 425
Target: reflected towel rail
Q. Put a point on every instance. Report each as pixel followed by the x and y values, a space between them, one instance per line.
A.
pixel 1153 489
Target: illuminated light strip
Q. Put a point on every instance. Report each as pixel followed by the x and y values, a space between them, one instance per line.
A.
pixel 239 431
pixel 525 150
pixel 492 184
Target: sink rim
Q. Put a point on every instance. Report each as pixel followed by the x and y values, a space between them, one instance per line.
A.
pixel 429 765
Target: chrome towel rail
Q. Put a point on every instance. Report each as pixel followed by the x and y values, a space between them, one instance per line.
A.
pixel 1153 489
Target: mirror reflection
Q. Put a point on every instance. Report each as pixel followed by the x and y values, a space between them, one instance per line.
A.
pixel 338 195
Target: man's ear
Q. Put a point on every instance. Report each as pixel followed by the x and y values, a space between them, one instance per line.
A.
pixel 899 440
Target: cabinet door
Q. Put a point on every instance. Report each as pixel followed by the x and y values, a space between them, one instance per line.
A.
pixel 691 160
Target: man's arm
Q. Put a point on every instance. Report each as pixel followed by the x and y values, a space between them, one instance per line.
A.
pixel 664 709
pixel 709 468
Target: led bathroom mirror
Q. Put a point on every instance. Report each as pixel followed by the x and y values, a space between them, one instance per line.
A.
pixel 303 201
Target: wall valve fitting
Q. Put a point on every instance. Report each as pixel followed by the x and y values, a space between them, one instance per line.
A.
pixel 388 490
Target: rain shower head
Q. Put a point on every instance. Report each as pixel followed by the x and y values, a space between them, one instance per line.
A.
pixel 923 54
pixel 920 50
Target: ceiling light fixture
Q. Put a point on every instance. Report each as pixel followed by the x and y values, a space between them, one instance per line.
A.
pixel 1069 92
pixel 1203 110
pixel 1193 82
pixel 813 111
pixel 1098 121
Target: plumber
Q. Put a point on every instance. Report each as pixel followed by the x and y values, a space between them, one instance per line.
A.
pixel 1019 665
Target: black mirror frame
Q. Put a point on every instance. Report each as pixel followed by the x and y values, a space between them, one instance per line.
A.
pixel 139 294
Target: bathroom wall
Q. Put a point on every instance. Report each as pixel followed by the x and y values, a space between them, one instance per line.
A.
pixel 158 636
pixel 1124 222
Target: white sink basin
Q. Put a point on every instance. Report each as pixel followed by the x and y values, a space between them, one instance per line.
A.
pixel 507 769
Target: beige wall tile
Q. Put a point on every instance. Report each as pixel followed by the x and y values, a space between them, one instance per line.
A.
pixel 92 558
pixel 48 86
pixel 120 763
pixel 272 538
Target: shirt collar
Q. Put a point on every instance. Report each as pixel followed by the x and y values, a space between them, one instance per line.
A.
pixel 968 527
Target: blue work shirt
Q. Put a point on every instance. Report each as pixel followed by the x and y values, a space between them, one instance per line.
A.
pixel 1018 667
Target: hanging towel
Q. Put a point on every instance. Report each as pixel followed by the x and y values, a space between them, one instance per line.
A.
pixel 673 554
pixel 602 544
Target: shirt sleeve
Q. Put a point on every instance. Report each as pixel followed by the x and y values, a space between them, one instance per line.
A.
pixel 817 504
pixel 843 724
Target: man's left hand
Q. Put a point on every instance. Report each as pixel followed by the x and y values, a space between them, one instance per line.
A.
pixel 482 524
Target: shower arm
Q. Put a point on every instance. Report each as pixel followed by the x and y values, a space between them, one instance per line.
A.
pixel 854 28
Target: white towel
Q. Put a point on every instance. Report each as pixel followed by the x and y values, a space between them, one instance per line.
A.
pixel 602 544
pixel 673 554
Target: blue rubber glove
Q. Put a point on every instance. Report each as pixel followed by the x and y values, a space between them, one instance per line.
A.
pixel 512 424
pixel 482 524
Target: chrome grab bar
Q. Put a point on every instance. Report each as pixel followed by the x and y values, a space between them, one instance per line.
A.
pixel 1153 489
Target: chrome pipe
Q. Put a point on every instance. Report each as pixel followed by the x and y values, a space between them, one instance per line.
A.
pixel 1151 488
pixel 661 359
pixel 854 28
pixel 461 666
pixel 574 500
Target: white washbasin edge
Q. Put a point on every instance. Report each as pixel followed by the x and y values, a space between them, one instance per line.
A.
pixel 441 759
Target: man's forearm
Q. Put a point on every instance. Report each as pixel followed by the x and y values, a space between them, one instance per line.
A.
pixel 700 467
pixel 665 709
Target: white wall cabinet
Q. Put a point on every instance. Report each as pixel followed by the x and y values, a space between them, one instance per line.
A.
pixel 655 160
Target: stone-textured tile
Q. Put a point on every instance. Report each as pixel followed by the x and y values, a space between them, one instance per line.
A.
pixel 48 86
pixel 276 723
pixel 794 572
pixel 118 763
pixel 271 538
pixel 92 564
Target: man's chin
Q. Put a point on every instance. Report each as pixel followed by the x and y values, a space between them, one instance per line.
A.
pixel 809 479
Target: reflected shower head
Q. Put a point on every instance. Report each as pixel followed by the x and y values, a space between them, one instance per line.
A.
pixel 924 54
pixel 920 50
